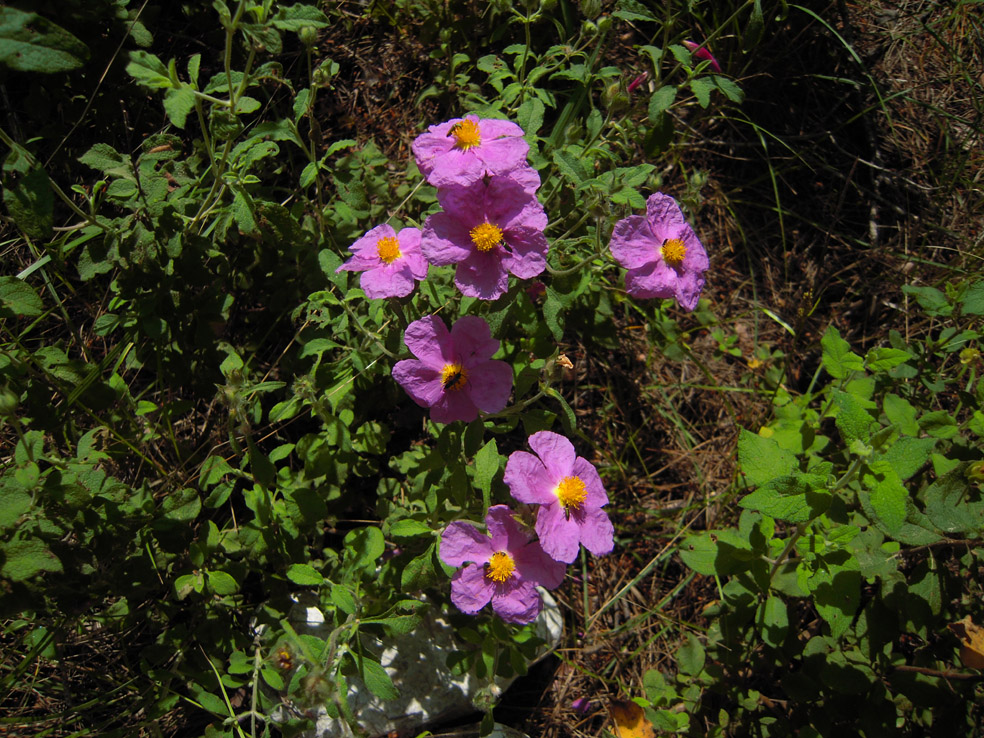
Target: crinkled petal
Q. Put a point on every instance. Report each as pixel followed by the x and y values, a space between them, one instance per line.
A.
pixel 633 243
pixel 504 530
pixel 586 472
pixel 502 155
pixel 473 340
pixel 665 217
pixel 462 543
pixel 596 531
pixel 688 289
pixel 482 275
pixel 430 341
pixel 421 382
pixel 533 564
pixel 509 204
pixel 556 452
pixel 445 240
pixel 528 479
pixel 409 239
pixel 519 603
pixel 454 406
pixel 653 280
pixel 528 256
pixel 490 385
pixel 491 129
pixel 470 589
pixel 388 280
pixel 560 536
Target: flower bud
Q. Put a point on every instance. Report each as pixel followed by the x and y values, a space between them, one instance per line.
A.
pixel 588 28
pixel 615 97
pixel 969 355
pixel 308 36
pixel 590 9
pixel 604 23
pixel 975 472
pixel 8 403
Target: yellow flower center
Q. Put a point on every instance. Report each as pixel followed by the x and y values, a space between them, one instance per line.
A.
pixel 466 134
pixel 673 252
pixel 486 236
pixel 388 249
pixel 500 567
pixel 454 377
pixel 571 492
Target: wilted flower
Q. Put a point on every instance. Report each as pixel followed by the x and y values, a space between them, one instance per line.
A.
pixel 490 229
pixel 504 567
pixel 390 262
pixel 454 373
pixel 661 252
pixel 570 494
pixel 463 150
pixel 703 54
pixel 581 705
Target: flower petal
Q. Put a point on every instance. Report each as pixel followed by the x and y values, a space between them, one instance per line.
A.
pixel 482 276
pixel 421 382
pixel 388 280
pixel 517 604
pixel 665 217
pixel 557 453
pixel 445 240
pixel 454 406
pixel 528 256
pixel 462 543
pixel 559 535
pixel 597 532
pixel 473 342
pixel 633 243
pixel 528 479
pixel 490 385
pixel 652 280
pixel 471 590
pixel 586 472
pixel 533 564
pixel 505 531
pixel 430 341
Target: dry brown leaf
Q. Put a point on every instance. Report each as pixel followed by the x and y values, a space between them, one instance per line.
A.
pixel 630 721
pixel 971 642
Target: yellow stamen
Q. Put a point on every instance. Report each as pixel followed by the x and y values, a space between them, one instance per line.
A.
pixel 571 492
pixel 673 251
pixel 466 134
pixel 454 377
pixel 388 249
pixel 486 236
pixel 500 567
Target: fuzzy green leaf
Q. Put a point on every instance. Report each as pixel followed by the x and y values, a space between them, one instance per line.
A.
pixel 26 558
pixel 852 419
pixel 178 102
pixel 221 583
pixel 883 359
pixel 888 495
pixel 837 358
pixel 17 298
pixel 661 101
pixel 408 528
pixel 305 575
pixel 761 459
pixel 377 680
pixel 30 43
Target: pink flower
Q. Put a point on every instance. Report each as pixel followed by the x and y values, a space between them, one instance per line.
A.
pixel 661 252
pixel 490 229
pixel 505 570
pixel 570 494
pixel 463 150
pixel 454 374
pixel 389 262
pixel 581 705
pixel 703 54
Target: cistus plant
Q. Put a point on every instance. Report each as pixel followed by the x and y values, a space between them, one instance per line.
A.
pixel 259 369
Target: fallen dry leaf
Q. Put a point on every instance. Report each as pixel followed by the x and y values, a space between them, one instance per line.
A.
pixel 630 721
pixel 971 642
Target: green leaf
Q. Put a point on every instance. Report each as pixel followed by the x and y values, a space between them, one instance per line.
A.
pixel 661 101
pixel 568 161
pixel 691 657
pixel 659 136
pixel 972 302
pixel 838 359
pixel 952 505
pixel 178 102
pixel 109 161
pixel 272 677
pixel 377 680
pixel 221 583
pixel 182 506
pixel 702 87
pixel 762 460
pixel 731 90
pixel 419 571
pixel 365 545
pixel 930 299
pixel 408 528
pixel 900 412
pixel 837 594
pixel 27 194
pixel 907 455
pixel 529 116
pixel 13 504
pixel 17 298
pixel 148 70
pixel 714 552
pixel 888 496
pixel 852 419
pixel 939 424
pixel 305 575
pixel 296 17
pixel 797 498
pixel 774 621
pixel 755 28
pixel 24 559
pixel 30 43
pixel 342 597
pixel 883 359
